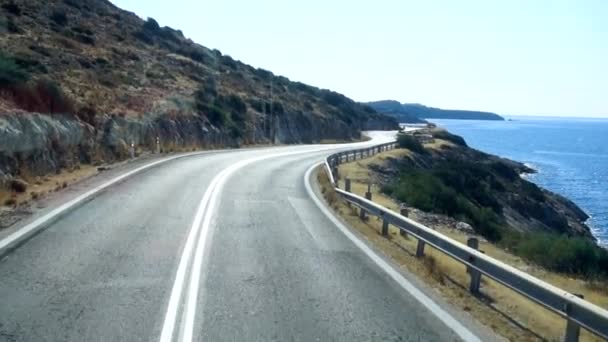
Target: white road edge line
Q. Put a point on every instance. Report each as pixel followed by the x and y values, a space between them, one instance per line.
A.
pixel 28 230
pixel 443 315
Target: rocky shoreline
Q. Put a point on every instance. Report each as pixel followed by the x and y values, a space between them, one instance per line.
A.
pixel 490 182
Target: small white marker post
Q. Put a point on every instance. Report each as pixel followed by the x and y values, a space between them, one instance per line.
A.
pixel 157 145
pixel 132 149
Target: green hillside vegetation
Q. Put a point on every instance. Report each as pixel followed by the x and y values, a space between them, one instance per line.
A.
pixel 417 113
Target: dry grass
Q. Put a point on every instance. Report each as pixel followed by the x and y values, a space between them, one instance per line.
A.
pixel 438 144
pixel 41 186
pixel 506 312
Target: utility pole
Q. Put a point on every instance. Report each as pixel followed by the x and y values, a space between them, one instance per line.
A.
pixel 264 118
pixel 274 124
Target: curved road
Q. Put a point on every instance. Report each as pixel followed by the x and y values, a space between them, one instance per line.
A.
pixel 220 246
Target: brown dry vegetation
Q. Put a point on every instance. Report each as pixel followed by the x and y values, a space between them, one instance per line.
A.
pixel 38 187
pixel 506 312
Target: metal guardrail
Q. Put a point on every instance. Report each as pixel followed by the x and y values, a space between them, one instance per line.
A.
pixel 577 311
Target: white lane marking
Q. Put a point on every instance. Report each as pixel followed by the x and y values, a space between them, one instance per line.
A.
pixel 32 227
pixel 200 228
pixel 444 316
pixel 178 284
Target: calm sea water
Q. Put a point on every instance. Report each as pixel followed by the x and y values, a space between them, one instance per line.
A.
pixel 570 155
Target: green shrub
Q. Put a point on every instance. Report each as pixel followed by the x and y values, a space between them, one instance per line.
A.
pixel 427 191
pixel 59 17
pixel 277 108
pixel 144 36
pixel 445 135
pixel 217 116
pixel 504 170
pixel 560 253
pixel 194 52
pixel 229 62
pixel 151 25
pixel 12 8
pixel 11 74
pixel 234 103
pixel 257 105
pixel 73 3
pixel 83 38
pixel 409 142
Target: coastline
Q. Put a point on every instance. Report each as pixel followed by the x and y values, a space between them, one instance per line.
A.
pixel 573 172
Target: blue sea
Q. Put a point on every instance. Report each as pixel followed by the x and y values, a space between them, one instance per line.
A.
pixel 570 155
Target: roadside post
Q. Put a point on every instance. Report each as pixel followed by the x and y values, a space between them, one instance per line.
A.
pixel 573 330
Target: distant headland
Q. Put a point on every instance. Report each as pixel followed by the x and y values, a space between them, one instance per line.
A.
pixel 417 113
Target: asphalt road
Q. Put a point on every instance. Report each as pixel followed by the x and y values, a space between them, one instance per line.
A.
pixel 224 246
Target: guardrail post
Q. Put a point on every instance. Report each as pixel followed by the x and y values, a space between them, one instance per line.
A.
pixel 368 196
pixel 572 329
pixel 420 248
pixel 404 212
pixel 347 184
pixel 384 227
pixel 475 274
pixel 334 170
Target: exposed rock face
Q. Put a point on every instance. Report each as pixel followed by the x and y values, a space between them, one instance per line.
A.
pixel 42 144
pixel 37 144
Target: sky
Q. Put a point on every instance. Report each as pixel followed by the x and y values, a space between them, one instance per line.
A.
pixel 512 57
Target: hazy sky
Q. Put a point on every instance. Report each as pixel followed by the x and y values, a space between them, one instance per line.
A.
pixel 527 57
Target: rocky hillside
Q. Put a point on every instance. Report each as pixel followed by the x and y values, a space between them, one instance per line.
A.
pixel 413 111
pixel 441 174
pixel 80 80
